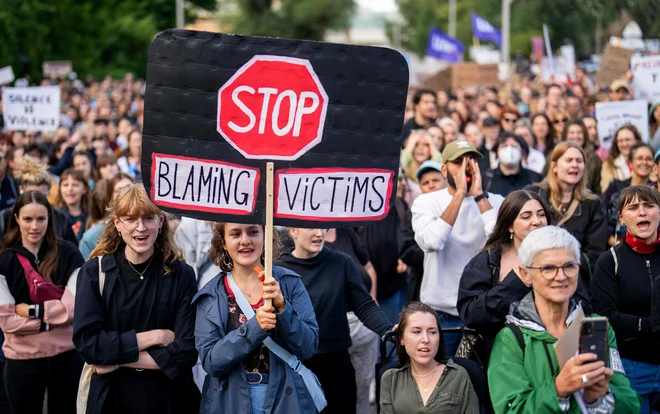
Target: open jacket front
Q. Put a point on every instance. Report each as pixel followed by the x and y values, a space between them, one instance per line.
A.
pixel 524 381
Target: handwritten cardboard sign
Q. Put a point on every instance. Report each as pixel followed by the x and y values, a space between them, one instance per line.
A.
pixel 218 107
pixel 56 69
pixel 6 75
pixel 646 77
pixel 612 115
pixel 614 65
pixel 31 108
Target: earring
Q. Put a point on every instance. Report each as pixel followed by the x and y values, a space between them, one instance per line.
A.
pixel 511 236
pixel 119 233
pixel 226 260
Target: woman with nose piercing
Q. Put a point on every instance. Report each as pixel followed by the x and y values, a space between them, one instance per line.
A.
pixel 134 318
pixel 626 289
pixel 37 318
pixel 334 285
pixel 572 206
pixel 491 282
pixel 427 381
pixel 241 353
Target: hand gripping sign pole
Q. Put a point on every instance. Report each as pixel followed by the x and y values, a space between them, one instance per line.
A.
pixel 320 121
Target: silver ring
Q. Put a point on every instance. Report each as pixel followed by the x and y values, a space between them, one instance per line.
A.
pixel 584 378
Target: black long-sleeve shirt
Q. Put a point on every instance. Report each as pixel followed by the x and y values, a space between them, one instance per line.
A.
pixel 334 286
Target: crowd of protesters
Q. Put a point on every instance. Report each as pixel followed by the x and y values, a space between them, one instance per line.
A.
pixel 510 215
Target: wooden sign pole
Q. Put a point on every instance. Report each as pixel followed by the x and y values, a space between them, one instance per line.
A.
pixel 268 231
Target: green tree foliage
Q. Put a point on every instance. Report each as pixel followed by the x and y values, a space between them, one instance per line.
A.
pixel 568 20
pixel 295 19
pixel 99 37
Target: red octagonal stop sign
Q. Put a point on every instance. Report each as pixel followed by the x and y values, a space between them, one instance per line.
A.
pixel 274 107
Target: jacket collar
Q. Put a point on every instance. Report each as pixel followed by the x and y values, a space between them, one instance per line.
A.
pixel 213 287
pixel 524 314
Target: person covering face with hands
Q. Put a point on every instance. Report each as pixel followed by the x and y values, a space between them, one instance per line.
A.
pixel 241 369
pixel 445 229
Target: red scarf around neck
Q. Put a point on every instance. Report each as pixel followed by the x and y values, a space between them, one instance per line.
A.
pixel 641 246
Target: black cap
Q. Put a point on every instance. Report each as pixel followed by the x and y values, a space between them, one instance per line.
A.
pixel 491 121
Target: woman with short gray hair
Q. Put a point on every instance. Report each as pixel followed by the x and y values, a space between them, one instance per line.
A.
pixel 549 262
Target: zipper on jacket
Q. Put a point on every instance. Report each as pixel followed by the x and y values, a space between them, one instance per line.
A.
pixel 36 260
pixel 648 267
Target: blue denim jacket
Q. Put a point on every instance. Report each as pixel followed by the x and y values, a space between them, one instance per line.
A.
pixel 222 349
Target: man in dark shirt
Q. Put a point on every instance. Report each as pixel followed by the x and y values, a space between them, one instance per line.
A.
pixel 509 175
pixel 426 111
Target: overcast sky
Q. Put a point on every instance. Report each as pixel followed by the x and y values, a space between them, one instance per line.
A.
pixel 378 5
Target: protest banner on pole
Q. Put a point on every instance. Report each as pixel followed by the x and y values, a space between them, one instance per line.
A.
pixel 6 75
pixel 218 107
pixel 613 65
pixel 225 113
pixel 612 115
pixel 56 69
pixel 32 108
pixel 646 77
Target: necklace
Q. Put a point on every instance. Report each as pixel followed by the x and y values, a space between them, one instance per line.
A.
pixel 426 386
pixel 249 295
pixel 145 269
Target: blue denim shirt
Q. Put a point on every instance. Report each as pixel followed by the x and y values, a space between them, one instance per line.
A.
pixel 222 349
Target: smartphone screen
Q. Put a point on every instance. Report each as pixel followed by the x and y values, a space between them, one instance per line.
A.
pixel 594 337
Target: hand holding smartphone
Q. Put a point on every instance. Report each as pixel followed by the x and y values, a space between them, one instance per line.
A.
pixel 594 332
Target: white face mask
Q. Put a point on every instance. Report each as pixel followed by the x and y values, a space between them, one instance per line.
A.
pixel 509 155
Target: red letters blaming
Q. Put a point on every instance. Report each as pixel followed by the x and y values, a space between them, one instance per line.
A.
pixel 274 107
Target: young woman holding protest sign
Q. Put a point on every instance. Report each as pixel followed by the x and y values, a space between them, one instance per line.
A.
pixel 241 353
pixel 36 318
pixel 134 321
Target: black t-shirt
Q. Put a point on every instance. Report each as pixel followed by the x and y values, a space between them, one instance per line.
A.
pixel 347 241
pixel 381 239
pixel 408 127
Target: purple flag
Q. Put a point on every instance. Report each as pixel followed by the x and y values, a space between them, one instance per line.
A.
pixel 444 47
pixel 483 30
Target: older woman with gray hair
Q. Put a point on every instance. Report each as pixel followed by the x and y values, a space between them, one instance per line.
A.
pixel 524 374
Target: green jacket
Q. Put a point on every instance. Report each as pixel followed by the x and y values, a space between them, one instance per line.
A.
pixel 523 382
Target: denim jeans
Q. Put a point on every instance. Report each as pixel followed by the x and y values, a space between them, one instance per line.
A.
pixel 258 398
pixel 645 380
pixel 450 339
pixel 391 306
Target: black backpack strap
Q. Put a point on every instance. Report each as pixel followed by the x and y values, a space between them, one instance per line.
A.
pixel 518 334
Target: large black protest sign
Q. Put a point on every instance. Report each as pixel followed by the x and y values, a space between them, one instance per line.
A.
pixel 219 106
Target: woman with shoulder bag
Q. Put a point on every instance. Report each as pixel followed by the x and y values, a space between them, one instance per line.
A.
pixel 138 328
pixel 38 274
pixel 244 356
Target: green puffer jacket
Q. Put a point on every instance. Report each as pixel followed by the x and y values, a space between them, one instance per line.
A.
pixel 523 382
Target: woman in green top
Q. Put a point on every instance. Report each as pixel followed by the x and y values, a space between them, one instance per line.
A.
pixel 427 382
pixel 524 374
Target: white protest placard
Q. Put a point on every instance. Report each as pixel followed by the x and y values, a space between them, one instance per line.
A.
pixel 6 75
pixel 33 108
pixel 611 115
pixel 57 69
pixel 646 80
